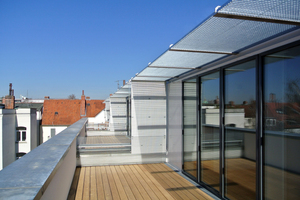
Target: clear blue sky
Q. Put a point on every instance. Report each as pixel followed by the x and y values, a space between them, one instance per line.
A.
pixel 61 47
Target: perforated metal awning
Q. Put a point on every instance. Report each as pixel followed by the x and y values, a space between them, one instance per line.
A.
pixel 123 92
pixel 236 26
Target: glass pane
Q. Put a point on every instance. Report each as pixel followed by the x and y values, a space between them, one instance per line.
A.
pixel 23 135
pixel 282 124
pixel 240 133
pixel 190 128
pixel 18 135
pixel 210 114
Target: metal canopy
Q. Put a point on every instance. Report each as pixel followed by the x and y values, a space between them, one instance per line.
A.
pixel 235 27
pixel 123 92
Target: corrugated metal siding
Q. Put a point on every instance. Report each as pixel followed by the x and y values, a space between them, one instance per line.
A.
pixel 118 113
pixel 148 117
pixel 175 124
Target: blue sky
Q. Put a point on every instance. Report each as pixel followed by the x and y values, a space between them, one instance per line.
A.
pixel 61 47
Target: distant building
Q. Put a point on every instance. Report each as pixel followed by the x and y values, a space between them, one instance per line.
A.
pixel 58 114
pixel 19 132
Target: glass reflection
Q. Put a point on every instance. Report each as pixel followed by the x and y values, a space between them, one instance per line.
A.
pixel 240 134
pixel 282 124
pixel 210 113
pixel 190 161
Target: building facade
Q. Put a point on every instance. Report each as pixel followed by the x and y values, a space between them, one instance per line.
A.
pixel 231 89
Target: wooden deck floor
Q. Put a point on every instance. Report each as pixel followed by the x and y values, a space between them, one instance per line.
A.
pixel 148 181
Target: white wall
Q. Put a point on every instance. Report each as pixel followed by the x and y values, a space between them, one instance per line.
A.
pixel 7 137
pixel 148 117
pixel 232 116
pixel 99 119
pixel 46 131
pixel 26 117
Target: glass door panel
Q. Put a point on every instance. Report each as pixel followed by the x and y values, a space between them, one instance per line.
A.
pixel 190 150
pixel 282 125
pixel 240 131
pixel 209 130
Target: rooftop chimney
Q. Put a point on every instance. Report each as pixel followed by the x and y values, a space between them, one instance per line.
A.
pixel 82 105
pixel 9 100
pixel 124 82
pixel 10 89
pixel 272 97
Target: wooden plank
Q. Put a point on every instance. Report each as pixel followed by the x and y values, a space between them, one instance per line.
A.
pixel 107 191
pixel 100 187
pixel 165 183
pixel 72 192
pixel 130 182
pixel 124 182
pixel 93 190
pixel 143 182
pixel 137 184
pixel 79 191
pixel 112 184
pixel 119 185
pixel 187 187
pixel 155 186
pixel 86 185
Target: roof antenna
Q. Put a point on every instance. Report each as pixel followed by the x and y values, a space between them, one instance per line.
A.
pixel 118 83
pixel 217 8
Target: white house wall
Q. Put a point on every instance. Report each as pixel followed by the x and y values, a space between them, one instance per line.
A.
pixel 46 131
pixel 174 155
pixel 7 137
pixel 98 119
pixel 26 117
pixel 148 117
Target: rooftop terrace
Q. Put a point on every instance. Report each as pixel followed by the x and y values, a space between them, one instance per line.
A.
pixel 49 172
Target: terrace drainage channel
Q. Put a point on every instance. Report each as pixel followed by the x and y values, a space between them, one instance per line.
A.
pixel 104 148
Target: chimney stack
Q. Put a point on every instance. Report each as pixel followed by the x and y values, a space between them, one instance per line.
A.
pixel 10 89
pixel 272 97
pixel 124 82
pixel 82 105
pixel 9 100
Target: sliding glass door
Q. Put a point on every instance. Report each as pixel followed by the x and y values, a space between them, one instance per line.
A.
pixel 209 130
pixel 240 131
pixel 242 127
pixel 190 144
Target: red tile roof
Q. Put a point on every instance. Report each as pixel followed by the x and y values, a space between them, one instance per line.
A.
pixel 67 111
